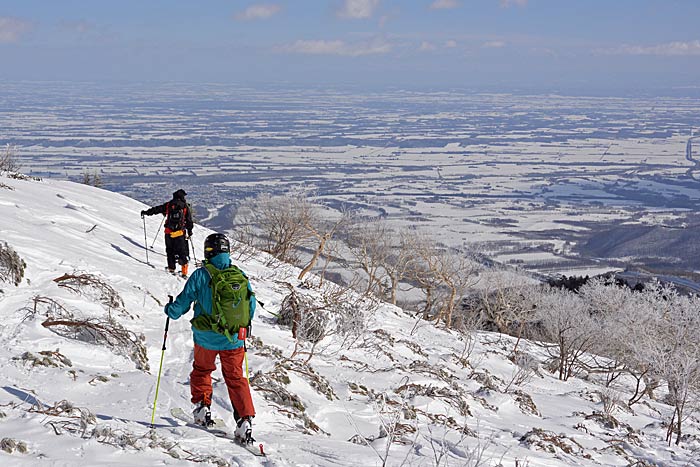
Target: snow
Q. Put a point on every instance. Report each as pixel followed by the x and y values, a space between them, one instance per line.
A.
pixel 399 369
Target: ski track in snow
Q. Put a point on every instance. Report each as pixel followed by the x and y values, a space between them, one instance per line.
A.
pixel 62 227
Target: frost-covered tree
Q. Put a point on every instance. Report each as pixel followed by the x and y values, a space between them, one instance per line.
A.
pixel 398 263
pixel 320 229
pixel 653 335
pixel 11 265
pixel 672 348
pixel 624 315
pixel 568 327
pixel 275 224
pixel 92 178
pixel 505 299
pixel 443 275
pixel 370 244
pixel 423 273
pixel 457 273
pixel 8 159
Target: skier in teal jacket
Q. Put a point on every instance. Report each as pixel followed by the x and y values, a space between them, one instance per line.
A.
pixel 209 344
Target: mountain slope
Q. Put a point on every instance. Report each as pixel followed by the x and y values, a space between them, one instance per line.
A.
pixel 442 399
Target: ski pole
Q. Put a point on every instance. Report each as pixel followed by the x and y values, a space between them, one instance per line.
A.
pixel 156 236
pixel 160 368
pixel 145 239
pixel 242 335
pixel 262 305
pixel 194 254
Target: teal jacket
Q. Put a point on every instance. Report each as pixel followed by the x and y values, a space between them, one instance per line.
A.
pixel 197 291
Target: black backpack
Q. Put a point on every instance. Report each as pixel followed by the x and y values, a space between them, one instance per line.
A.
pixel 175 215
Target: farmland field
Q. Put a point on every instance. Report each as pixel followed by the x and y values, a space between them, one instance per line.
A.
pixel 545 182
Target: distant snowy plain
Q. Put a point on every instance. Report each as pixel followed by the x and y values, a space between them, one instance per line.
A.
pixel 527 179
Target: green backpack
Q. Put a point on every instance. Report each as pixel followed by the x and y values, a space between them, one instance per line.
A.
pixel 230 298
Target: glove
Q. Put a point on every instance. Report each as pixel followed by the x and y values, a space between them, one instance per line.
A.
pixel 189 233
pixel 167 305
pixel 143 213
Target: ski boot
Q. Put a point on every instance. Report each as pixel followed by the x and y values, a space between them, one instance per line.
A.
pixel 244 430
pixel 202 415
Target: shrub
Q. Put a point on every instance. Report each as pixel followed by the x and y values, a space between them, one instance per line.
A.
pixel 308 321
pixel 92 178
pixel 94 288
pixel 11 265
pixel 100 331
pixel 8 160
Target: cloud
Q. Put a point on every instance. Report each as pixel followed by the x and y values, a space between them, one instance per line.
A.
pixel 426 46
pixel 544 51
pixel 670 49
pixel 444 4
pixel 494 44
pixel 357 9
pixel 338 47
pixel 11 29
pixel 509 3
pixel 79 27
pixel 254 12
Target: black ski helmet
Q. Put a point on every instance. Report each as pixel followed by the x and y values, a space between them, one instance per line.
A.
pixel 214 244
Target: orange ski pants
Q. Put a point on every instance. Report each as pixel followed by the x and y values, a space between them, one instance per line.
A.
pixel 232 368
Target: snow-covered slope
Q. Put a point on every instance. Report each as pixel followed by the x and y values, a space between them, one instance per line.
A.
pixel 70 398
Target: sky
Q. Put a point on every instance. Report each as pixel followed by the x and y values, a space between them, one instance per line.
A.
pixel 506 44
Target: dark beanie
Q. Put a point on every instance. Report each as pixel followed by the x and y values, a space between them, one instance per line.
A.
pixel 179 194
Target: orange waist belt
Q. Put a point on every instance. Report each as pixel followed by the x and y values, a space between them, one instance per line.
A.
pixel 177 233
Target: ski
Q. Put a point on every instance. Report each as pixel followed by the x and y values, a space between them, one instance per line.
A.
pixel 218 424
pixel 218 429
pixel 255 448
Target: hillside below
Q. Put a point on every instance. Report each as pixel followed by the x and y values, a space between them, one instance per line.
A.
pixel 82 333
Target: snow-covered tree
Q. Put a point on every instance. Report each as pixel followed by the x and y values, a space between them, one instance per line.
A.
pixel 672 347
pixel 370 244
pixel 320 229
pixel 275 223
pixel 568 327
pixel 8 159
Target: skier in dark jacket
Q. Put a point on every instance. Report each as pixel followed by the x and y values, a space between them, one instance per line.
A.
pixel 178 228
